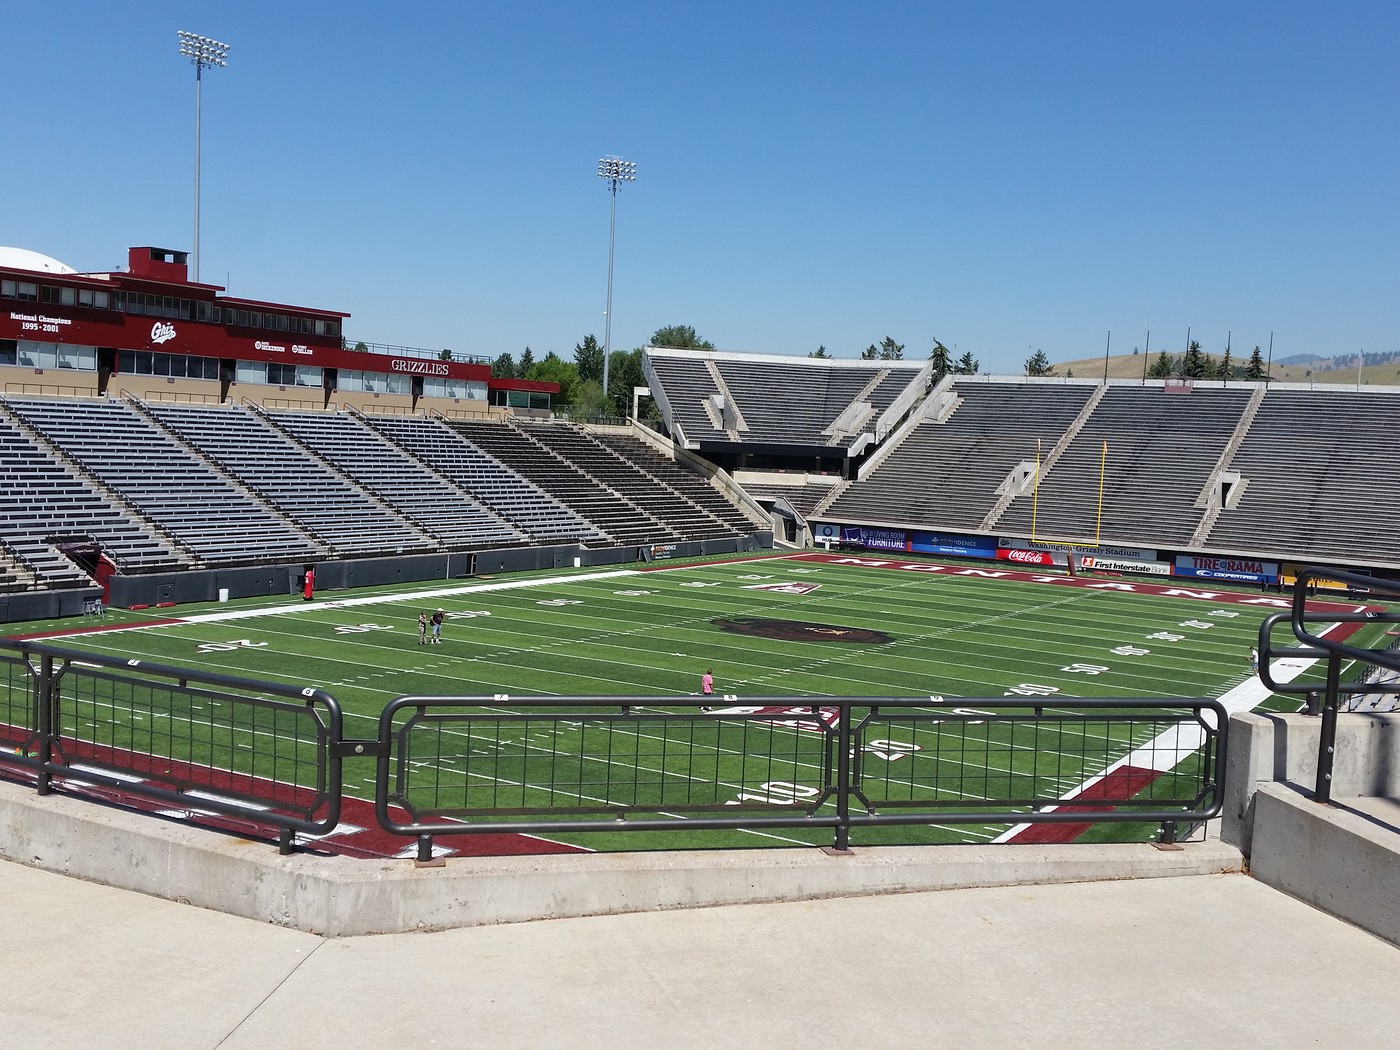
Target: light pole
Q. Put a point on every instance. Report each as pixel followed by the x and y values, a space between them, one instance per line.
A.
pixel 201 51
pixel 612 170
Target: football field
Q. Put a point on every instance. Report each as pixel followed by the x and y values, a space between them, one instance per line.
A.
pixel 797 626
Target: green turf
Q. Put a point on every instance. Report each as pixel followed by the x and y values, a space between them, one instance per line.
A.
pixel 629 633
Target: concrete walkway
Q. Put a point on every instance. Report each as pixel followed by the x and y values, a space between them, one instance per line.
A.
pixel 1215 960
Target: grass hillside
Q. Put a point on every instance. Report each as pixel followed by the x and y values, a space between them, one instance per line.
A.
pixel 1130 366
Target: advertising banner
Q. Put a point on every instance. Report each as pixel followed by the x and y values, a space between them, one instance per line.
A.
pixel 867 538
pixel 1020 556
pixel 1239 570
pixel 1127 553
pixel 958 546
pixel 1093 563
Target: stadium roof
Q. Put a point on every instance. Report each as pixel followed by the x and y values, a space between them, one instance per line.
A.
pixel 24 259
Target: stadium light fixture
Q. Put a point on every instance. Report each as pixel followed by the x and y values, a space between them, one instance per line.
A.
pixel 201 51
pixel 614 171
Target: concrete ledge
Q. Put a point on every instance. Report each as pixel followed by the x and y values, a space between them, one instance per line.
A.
pixel 1268 748
pixel 1343 858
pixel 338 896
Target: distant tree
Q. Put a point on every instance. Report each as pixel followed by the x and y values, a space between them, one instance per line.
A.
pixel 820 352
pixel 890 350
pixel 1162 367
pixel 967 365
pixel 624 373
pixel 504 367
pixel 554 369
pixel 676 336
pixel 870 353
pixel 1135 351
pixel 1225 368
pixel 942 363
pixel 1069 373
pixel 445 355
pixel 589 400
pixel 527 362
pixel 1039 365
pixel 1254 371
pixel 360 348
pixel 1194 365
pixel 588 357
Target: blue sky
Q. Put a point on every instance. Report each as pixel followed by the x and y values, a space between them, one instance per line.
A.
pixel 1004 176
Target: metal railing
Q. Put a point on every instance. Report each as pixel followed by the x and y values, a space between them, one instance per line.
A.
pixel 1325 698
pixel 271 755
pixel 261 752
pixel 572 764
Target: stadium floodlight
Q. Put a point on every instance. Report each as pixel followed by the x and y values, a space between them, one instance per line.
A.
pixel 612 170
pixel 201 51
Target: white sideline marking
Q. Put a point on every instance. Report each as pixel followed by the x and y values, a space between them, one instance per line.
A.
pixel 379 599
pixel 1173 746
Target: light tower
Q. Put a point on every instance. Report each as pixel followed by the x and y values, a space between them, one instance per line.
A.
pixel 612 170
pixel 201 51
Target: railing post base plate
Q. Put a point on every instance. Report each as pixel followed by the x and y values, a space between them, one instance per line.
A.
pixel 832 851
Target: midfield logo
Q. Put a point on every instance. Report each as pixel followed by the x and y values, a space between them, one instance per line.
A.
pixel 784 588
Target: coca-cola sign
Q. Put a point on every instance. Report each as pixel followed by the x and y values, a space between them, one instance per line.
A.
pixel 1024 557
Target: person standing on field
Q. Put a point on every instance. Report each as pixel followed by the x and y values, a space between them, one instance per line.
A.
pixel 423 627
pixel 707 686
pixel 437 627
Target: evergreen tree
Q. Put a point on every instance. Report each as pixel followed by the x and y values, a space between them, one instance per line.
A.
pixel 588 358
pixel 870 353
pixel 1225 369
pixel 942 362
pixel 1194 364
pixel 820 352
pixel 967 365
pixel 527 362
pixel 890 350
pixel 1162 367
pixel 504 367
pixel 1254 371
pixel 1039 365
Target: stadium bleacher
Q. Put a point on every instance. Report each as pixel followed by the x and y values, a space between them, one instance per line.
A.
pixel 435 505
pixel 947 473
pixel 207 513
pixel 302 486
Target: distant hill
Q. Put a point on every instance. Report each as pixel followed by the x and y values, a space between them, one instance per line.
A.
pixel 1378 369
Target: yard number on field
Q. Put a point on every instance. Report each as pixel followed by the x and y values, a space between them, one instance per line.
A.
pixel 228 647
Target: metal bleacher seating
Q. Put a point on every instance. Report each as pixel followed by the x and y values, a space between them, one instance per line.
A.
pixel 946 474
pixel 620 474
pixel 1316 467
pixel 776 402
pixel 160 481
pixel 44 499
pixel 444 510
pixel 1161 451
pixel 622 519
pixel 532 510
pixel 670 473
pixel 300 485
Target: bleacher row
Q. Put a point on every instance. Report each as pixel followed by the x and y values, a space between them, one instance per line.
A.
pixel 780 402
pixel 1313 469
pixel 162 487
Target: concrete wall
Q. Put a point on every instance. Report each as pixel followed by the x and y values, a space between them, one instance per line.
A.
pixel 1265 749
pixel 1342 859
pixel 340 896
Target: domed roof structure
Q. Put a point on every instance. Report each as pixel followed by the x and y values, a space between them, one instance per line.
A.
pixel 24 259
